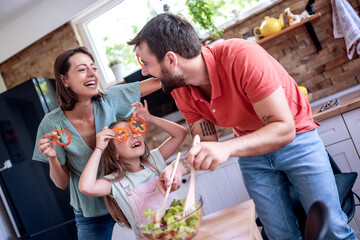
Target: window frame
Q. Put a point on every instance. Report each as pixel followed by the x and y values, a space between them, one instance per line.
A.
pixel 83 35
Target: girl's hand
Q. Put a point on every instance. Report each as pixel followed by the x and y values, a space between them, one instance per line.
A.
pixel 142 111
pixel 103 137
pixel 47 145
pixel 163 181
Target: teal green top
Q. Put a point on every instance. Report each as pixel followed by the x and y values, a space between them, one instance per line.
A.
pixel 116 102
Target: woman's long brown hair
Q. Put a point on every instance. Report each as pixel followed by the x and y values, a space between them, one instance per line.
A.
pixel 111 165
pixel 65 96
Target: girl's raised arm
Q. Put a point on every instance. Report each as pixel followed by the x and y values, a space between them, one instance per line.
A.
pixel 89 184
pixel 177 132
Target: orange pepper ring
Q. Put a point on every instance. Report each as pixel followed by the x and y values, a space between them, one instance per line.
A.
pixel 122 137
pixel 137 129
pixel 57 137
pixel 138 58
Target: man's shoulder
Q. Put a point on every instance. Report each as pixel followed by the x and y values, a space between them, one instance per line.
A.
pixel 234 44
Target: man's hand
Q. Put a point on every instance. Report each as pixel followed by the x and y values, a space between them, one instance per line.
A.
pixel 208 155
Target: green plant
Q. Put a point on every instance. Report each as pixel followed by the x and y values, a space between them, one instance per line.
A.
pixel 114 54
pixel 202 14
pixel 120 53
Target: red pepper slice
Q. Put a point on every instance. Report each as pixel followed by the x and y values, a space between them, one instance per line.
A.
pixel 135 126
pixel 138 58
pixel 121 134
pixel 57 137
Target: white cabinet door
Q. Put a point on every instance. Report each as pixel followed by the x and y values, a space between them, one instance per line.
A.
pixel 333 130
pixel 352 120
pixel 346 158
pixel 222 188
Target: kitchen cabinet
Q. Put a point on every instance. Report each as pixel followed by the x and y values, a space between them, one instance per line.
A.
pixel 352 120
pixel 341 136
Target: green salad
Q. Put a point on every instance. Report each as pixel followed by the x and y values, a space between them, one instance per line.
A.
pixel 173 225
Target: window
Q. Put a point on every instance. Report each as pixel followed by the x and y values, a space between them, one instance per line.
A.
pixel 106 27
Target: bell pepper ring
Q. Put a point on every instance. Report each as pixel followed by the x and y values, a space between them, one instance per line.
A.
pixel 58 137
pixel 121 134
pixel 135 126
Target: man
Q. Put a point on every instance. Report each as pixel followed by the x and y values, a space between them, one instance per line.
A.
pixel 238 84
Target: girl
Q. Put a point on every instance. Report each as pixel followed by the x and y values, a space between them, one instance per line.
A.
pixel 130 170
pixel 83 111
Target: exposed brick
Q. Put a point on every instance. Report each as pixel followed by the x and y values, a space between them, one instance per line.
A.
pixel 333 72
pixel 348 76
pixel 352 65
pixel 298 70
pixel 337 62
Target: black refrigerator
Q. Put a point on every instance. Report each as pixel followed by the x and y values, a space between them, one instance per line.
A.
pixel 37 209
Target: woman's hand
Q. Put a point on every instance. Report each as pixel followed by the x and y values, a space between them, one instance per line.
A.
pixel 103 137
pixel 142 111
pixel 47 145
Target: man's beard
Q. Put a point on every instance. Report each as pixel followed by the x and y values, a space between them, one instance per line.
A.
pixel 170 81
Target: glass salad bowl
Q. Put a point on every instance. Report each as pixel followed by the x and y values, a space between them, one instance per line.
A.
pixel 173 225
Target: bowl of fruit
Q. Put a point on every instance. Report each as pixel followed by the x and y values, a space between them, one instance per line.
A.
pixel 174 224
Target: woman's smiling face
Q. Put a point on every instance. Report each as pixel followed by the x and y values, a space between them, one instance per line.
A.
pixel 133 147
pixel 82 76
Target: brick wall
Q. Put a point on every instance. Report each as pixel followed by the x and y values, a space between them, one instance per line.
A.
pixel 323 72
pixel 37 60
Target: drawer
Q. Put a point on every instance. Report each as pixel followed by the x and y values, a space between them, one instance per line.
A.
pixel 333 130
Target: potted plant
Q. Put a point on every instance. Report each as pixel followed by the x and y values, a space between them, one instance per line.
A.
pixel 114 54
pixel 121 58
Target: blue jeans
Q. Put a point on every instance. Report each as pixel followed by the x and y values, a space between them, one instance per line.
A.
pixel 94 228
pixel 306 165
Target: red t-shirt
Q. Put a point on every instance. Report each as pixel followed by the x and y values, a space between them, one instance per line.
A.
pixel 241 73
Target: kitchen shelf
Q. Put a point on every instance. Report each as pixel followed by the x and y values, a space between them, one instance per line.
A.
pixel 288 29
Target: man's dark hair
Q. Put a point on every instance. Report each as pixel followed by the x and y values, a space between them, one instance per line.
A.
pixel 169 32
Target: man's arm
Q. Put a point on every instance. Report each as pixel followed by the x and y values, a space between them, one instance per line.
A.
pixel 278 130
pixel 205 129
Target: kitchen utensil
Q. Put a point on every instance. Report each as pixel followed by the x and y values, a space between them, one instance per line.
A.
pixel 189 205
pixel 161 211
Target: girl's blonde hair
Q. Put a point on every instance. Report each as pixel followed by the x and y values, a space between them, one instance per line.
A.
pixel 112 165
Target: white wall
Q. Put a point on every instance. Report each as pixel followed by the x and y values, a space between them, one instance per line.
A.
pixel 44 17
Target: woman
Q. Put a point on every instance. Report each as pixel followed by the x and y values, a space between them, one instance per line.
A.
pixel 83 111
